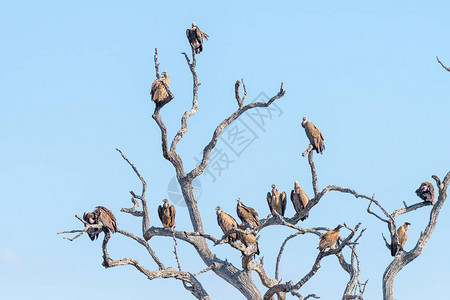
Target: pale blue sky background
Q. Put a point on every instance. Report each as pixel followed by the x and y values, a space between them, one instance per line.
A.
pixel 75 80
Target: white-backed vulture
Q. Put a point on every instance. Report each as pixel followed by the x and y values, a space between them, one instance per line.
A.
pixel 195 37
pixel 276 201
pixel 247 214
pixel 299 199
pixel 329 238
pixel 91 218
pixel 401 234
pixel 159 92
pixel 248 239
pixel 227 222
pixel 426 192
pixel 106 218
pixel 314 135
pixel 166 214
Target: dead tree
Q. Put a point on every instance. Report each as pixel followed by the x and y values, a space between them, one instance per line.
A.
pixel 239 276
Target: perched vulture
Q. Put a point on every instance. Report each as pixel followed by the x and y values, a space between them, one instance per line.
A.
pixel 195 37
pixel 314 135
pixel 106 218
pixel 247 214
pixel 401 234
pixel 299 199
pixel 227 222
pixel 166 214
pixel 159 92
pixel 426 192
pixel 92 218
pixel 276 201
pixel 329 238
pixel 248 239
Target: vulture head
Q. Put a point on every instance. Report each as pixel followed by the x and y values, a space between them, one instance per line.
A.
pixel 218 209
pixel 239 201
pixel 296 183
pixel 194 25
pixel 339 227
pixel 304 121
pixel 274 186
pixel 164 74
pixel 407 224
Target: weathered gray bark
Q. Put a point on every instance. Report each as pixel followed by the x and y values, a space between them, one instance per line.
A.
pixel 403 258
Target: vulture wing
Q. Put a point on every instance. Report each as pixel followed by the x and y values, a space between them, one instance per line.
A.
pixel 283 202
pixel 172 215
pixel 161 213
pixel 269 202
pixel 315 137
pixel 107 218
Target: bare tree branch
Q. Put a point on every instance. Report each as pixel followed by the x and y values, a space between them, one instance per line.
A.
pixel 145 215
pixel 220 128
pixel 194 108
pixel 403 258
pixel 195 287
pixel 448 69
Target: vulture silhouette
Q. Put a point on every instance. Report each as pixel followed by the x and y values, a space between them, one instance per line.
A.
pixel 314 135
pixel 299 199
pixel 166 214
pixel 401 234
pixel 227 222
pixel 329 238
pixel 106 218
pixel 276 201
pixel 195 37
pixel 426 192
pixel 247 214
pixel 91 218
pixel 159 92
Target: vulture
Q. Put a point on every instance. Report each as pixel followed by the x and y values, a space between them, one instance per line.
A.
pixel 91 218
pixel 247 214
pixel 227 222
pixel 329 238
pixel 314 135
pixel 276 201
pixel 426 192
pixel 195 37
pixel 401 234
pixel 166 214
pixel 158 91
pixel 299 199
pixel 106 218
pixel 248 239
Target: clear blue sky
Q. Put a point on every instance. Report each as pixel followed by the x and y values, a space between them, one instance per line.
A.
pixel 74 83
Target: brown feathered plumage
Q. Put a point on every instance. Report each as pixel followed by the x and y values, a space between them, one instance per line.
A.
pixel 166 214
pixel 329 238
pixel 426 192
pixel 227 222
pixel 159 92
pixel 401 233
pixel 299 199
pixel 91 218
pixel 247 214
pixel 276 201
pixel 248 239
pixel 314 135
pixel 106 218
pixel 195 37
